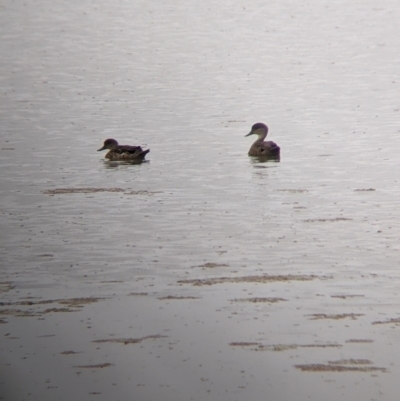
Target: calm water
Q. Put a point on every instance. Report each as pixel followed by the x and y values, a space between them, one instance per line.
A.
pixel 188 80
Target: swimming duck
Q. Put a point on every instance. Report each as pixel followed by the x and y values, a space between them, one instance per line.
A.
pixel 261 148
pixel 123 152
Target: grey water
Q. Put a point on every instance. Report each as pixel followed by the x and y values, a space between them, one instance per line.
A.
pixel 188 79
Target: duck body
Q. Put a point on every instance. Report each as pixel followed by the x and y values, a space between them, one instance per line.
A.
pixel 123 152
pixel 261 148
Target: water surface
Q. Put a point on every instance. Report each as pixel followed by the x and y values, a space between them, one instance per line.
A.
pixel 188 80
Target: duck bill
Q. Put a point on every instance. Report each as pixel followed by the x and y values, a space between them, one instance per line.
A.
pixel 103 148
pixel 250 133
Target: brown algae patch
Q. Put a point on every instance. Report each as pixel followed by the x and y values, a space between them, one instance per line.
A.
pixel 31 313
pixel 144 192
pixel 55 310
pixel 351 362
pixel 18 313
pixel 250 279
pixel 244 344
pixel 339 316
pixel 98 366
pixel 63 191
pixel 359 341
pixel 176 297
pixel 259 300
pixel 72 302
pixel 211 265
pixel 255 346
pixel 70 352
pixel 79 302
pixel 348 296
pixel 365 190
pixel 138 294
pixel 334 219
pixel 293 191
pixel 6 286
pixel 129 340
pixel 69 305
pixel 337 367
pixel 389 321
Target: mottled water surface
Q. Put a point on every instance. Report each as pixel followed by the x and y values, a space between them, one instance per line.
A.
pixel 201 274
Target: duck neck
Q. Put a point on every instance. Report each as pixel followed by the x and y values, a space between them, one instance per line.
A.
pixel 261 136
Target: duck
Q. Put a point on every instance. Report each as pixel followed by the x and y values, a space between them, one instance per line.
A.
pixel 261 148
pixel 123 152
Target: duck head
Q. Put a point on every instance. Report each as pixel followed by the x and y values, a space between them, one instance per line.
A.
pixel 259 129
pixel 109 144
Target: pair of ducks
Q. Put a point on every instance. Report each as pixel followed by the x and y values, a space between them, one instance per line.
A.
pixel 260 148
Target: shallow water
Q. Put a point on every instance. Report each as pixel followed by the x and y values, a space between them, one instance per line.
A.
pixel 187 81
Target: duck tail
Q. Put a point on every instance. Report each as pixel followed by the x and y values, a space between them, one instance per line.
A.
pixel 275 149
pixel 143 153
